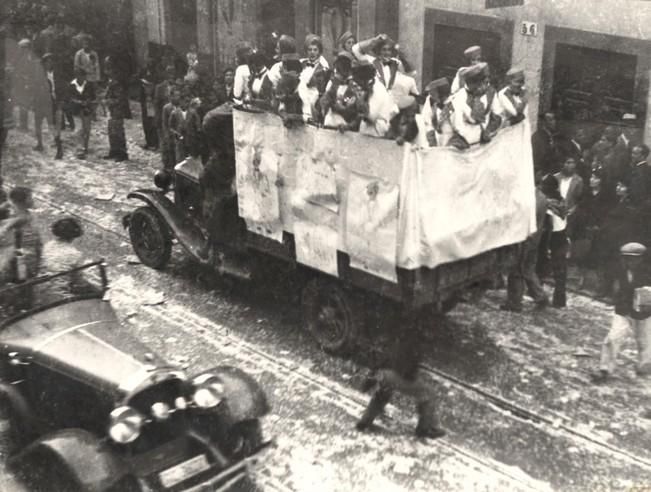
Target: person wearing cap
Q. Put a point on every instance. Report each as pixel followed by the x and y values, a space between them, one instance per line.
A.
pixel 473 55
pixel 630 316
pixel 242 72
pixel 345 42
pixel 286 45
pixel 314 77
pixel 436 113
pixel 83 99
pixel 339 102
pixel 512 99
pixel 475 109
pixel 260 91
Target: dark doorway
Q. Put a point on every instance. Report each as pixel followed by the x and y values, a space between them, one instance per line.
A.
pixel 450 42
pixel 275 16
pixel 592 84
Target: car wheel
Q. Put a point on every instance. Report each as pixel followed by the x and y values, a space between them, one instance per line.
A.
pixel 150 237
pixel 244 438
pixel 332 316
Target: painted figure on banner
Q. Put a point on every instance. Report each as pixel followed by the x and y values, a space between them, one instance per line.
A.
pixel 335 22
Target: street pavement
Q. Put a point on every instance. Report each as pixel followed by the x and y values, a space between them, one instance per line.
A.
pixel 591 438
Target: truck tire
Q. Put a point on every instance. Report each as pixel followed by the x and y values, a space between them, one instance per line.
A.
pixel 150 238
pixel 332 316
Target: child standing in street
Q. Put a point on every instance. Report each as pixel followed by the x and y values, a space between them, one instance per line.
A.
pixel 82 97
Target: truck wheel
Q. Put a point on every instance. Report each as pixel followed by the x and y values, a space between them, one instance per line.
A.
pixel 331 316
pixel 150 238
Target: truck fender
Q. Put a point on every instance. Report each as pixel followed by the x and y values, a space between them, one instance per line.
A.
pixel 244 397
pixel 185 231
pixel 80 455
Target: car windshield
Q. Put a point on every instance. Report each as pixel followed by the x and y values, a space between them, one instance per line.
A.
pixel 37 294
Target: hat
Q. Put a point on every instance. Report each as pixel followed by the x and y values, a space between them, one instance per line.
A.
pixel 67 229
pixel 629 117
pixel 438 83
pixel 258 58
pixel 633 249
pixel 515 73
pixel 363 70
pixel 344 37
pixel 345 54
pixel 47 56
pixel 311 39
pixel 24 43
pixel 476 72
pixel 473 50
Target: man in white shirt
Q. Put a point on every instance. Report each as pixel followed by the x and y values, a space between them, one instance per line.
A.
pixel 475 109
pixel 436 113
pixel 474 56
pixel 571 187
pixel 242 73
pixel 513 98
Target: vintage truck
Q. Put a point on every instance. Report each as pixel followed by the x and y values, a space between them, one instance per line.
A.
pixel 354 216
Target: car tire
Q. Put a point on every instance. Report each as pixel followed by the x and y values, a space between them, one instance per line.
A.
pixel 332 315
pixel 150 237
pixel 244 438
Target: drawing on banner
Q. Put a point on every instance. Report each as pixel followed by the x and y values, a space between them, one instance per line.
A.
pixel 257 187
pixel 316 178
pixel 372 225
pixel 316 246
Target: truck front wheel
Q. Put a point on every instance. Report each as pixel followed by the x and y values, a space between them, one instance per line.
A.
pixel 331 315
pixel 150 237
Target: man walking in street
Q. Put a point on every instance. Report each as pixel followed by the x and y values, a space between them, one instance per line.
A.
pixel 630 316
pixel 524 271
pixel 403 375
pixel 116 102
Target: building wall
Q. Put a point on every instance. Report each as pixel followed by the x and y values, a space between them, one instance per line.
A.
pixel 627 24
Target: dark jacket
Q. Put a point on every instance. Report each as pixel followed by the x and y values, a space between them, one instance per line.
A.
pixel 639 179
pixel 116 100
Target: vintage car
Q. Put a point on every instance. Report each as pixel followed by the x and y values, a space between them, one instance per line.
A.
pixel 90 408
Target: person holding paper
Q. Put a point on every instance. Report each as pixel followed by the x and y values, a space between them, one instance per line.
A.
pixel 632 313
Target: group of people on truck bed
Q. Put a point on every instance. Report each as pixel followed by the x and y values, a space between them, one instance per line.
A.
pixel 370 89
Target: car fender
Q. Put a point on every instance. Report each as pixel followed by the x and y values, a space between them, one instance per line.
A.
pixel 89 461
pixel 244 397
pixel 186 231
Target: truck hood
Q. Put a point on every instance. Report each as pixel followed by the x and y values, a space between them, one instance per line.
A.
pixel 85 341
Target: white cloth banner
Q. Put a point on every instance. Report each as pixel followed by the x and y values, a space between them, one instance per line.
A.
pixel 385 206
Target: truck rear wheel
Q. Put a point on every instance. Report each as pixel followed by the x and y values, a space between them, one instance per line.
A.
pixel 332 316
pixel 150 237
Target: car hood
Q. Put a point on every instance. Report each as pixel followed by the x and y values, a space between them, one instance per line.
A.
pixel 84 340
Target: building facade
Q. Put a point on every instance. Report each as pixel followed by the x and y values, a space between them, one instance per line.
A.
pixel 588 60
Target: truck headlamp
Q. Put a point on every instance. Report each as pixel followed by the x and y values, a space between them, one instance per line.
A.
pixel 208 391
pixel 125 424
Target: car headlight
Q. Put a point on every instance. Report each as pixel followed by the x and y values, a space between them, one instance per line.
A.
pixel 125 424
pixel 208 391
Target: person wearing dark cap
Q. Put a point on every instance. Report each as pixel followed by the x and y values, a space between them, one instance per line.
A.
pixel 402 374
pixel 436 113
pixel 473 56
pixel 632 314
pixel 512 99
pixel 60 254
pixel 475 118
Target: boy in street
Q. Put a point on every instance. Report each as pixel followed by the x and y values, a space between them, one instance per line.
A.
pixel 167 142
pixel 82 97
pixel 629 317
pixel 177 128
